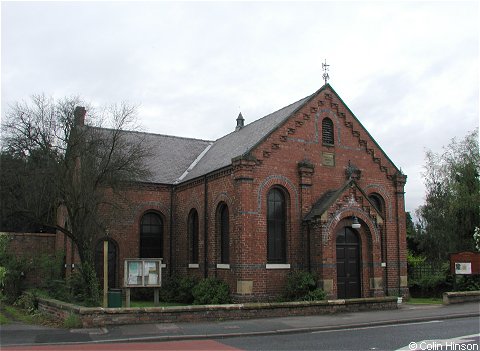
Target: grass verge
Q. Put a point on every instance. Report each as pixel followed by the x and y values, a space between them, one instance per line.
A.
pixel 425 300
pixel 151 304
pixel 12 313
pixel 4 319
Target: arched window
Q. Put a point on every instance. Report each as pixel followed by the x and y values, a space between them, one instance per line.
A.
pixel 327 131
pixel 276 227
pixel 377 202
pixel 224 231
pixel 193 235
pixel 151 236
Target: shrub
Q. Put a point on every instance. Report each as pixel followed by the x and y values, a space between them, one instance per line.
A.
pixel 14 271
pixel 315 295
pixel 79 290
pixel 58 289
pixel 430 280
pixel 50 267
pixel 28 302
pixel 298 285
pixel 178 289
pixel 413 260
pixel 468 283
pixel 211 291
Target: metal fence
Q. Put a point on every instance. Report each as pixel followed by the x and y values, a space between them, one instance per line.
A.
pixel 426 269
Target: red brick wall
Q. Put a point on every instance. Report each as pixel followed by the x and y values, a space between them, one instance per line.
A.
pixel 244 187
pixel 30 246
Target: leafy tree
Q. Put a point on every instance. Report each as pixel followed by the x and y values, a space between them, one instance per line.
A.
pixel 412 237
pixel 53 165
pixel 451 210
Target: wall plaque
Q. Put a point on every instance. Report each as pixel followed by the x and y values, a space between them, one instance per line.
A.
pixel 328 159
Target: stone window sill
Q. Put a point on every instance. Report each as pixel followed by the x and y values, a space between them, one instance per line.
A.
pixel 223 265
pixel 278 266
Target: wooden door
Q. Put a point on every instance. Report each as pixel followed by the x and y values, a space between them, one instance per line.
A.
pixel 348 264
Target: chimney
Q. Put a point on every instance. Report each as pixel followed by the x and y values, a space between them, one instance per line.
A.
pixel 79 115
pixel 240 122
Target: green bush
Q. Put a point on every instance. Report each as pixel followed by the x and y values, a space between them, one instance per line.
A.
pixel 468 283
pixel 27 301
pixel 14 270
pixel 50 267
pixel 315 295
pixel 431 283
pixel 79 290
pixel 178 289
pixel 298 285
pixel 211 291
pixel 413 260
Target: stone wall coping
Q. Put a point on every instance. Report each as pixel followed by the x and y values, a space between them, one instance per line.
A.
pixel 460 296
pixel 462 293
pixel 198 308
pixel 28 234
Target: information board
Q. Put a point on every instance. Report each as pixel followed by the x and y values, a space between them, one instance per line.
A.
pixel 143 272
pixel 463 268
pixel 465 263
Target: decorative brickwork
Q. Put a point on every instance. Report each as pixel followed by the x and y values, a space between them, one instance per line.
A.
pixel 325 186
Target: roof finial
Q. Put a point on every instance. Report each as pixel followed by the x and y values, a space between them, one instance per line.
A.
pixel 325 75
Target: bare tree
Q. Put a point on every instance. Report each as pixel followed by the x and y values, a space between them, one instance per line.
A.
pixel 67 165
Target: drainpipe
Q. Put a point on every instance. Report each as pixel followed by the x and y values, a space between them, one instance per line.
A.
pixel 170 244
pixel 205 227
pixel 309 259
pixel 398 246
pixel 385 250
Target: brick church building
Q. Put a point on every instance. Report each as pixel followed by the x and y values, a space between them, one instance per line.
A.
pixel 303 188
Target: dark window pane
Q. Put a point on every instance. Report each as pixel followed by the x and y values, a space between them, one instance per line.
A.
pixel 276 227
pixel 193 235
pixel 327 131
pixel 151 236
pixel 224 235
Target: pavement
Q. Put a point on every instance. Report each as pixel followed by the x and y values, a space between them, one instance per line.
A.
pixel 16 333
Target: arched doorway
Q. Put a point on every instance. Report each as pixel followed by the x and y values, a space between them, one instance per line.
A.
pixel 348 264
pixel 112 262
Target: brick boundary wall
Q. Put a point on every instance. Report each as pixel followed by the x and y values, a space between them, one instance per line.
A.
pixel 460 297
pixel 97 316
pixel 27 246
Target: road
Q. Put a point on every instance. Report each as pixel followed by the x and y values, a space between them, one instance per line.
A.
pixel 384 337
pixel 437 335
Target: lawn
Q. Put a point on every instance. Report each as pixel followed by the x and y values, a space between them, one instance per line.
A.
pixel 151 304
pixel 425 300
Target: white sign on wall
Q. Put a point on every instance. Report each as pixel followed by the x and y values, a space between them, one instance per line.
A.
pixel 463 268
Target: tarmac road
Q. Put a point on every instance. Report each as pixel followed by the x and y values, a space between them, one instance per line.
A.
pixel 18 334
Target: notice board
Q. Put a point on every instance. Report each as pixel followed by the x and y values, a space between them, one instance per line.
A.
pixel 145 272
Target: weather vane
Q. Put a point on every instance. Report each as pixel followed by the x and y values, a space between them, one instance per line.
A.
pixel 325 75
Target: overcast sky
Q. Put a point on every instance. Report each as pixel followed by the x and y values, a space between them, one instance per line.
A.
pixel 409 71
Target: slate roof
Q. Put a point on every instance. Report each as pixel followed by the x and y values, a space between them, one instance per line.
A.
pixel 176 159
pixel 329 197
pixel 325 201
pixel 169 156
pixel 240 142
